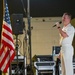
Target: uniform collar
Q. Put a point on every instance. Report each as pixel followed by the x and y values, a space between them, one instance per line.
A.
pixel 67 25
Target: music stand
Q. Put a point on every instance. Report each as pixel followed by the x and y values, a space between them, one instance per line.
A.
pixel 55 53
pixel 56 50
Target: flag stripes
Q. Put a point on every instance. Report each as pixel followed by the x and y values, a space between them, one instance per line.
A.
pixel 7 52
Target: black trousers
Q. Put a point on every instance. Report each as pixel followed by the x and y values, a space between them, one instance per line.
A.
pixel 0 72
pixel 57 66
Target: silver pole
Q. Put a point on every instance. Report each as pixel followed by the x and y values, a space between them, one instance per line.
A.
pixel 29 33
pixel 28 8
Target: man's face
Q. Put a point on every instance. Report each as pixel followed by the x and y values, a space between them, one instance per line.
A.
pixel 65 19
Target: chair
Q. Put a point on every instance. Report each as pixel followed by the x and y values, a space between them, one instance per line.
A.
pixel 45 65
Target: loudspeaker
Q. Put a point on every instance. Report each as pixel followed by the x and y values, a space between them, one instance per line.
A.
pixel 17 23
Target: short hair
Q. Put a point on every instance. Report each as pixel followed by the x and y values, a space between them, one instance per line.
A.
pixel 69 15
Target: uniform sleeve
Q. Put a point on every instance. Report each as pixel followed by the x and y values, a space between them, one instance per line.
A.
pixel 70 31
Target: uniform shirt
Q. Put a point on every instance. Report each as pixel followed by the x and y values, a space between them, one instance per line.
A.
pixel 69 29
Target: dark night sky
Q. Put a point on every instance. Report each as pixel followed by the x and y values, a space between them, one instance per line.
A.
pixel 40 8
pixel 43 8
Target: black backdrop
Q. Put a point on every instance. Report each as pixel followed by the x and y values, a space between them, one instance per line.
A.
pixel 43 8
pixel 1 14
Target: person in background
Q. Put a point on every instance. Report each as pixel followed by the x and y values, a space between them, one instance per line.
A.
pixel 67 50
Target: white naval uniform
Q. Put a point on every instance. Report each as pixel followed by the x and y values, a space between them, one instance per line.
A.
pixel 67 51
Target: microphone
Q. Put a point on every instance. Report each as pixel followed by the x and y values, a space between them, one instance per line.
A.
pixel 56 23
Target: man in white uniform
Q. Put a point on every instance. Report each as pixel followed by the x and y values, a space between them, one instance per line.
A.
pixel 67 35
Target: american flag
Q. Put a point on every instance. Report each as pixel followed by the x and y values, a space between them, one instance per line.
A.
pixel 7 52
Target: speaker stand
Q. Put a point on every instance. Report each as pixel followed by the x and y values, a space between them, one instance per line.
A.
pixel 17 54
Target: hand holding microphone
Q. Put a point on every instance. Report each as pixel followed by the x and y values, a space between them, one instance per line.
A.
pixel 57 24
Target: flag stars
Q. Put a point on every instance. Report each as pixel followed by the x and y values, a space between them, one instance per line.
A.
pixel 6 17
